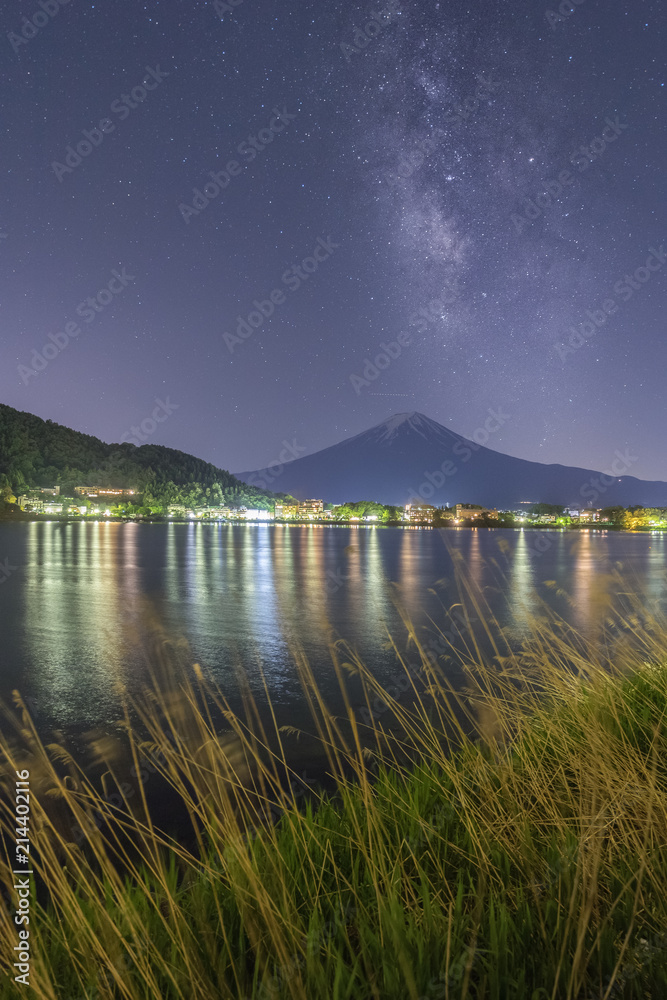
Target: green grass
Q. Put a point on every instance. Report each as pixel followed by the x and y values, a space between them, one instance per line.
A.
pixel 506 842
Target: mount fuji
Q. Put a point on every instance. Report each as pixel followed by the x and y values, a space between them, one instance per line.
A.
pixel 409 455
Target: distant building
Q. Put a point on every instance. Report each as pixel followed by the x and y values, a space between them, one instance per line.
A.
pixel 472 511
pixel 211 513
pixel 310 508
pixel 36 505
pixel 33 500
pixel 30 503
pixel 286 510
pixel 232 514
pixel 104 492
pixel 54 508
pixel 177 510
pixel 416 511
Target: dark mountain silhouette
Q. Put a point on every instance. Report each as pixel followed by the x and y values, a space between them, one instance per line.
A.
pixel 36 452
pixel 411 455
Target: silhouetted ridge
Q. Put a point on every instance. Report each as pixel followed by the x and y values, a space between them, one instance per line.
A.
pixel 409 455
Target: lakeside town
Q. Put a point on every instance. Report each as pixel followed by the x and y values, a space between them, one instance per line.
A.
pixel 112 503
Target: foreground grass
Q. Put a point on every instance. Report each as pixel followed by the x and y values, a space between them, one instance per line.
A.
pixel 508 843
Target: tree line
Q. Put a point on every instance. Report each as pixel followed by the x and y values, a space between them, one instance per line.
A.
pixel 36 453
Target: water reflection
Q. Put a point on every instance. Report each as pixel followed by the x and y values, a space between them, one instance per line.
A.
pixel 243 595
pixel 521 582
pixel 81 593
pixel 589 571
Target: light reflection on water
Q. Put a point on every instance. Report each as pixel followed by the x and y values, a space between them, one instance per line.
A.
pixel 245 594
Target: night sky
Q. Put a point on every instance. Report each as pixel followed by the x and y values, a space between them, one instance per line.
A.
pixel 501 228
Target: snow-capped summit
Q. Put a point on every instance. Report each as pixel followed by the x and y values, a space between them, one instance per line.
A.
pixel 404 421
pixel 402 426
pixel 409 455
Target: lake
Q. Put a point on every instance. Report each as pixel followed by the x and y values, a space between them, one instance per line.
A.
pixel 76 597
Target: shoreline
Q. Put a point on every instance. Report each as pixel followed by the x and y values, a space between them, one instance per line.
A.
pixel 53 519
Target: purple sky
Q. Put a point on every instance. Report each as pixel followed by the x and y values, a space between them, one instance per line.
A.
pixel 500 237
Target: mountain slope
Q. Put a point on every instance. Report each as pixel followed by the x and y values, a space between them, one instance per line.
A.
pixel 36 452
pixel 411 455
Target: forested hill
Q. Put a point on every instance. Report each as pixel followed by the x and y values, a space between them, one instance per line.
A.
pixel 36 452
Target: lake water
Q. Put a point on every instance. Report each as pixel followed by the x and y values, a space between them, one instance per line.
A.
pixel 77 597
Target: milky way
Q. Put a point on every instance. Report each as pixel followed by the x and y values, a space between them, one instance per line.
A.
pixel 485 175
